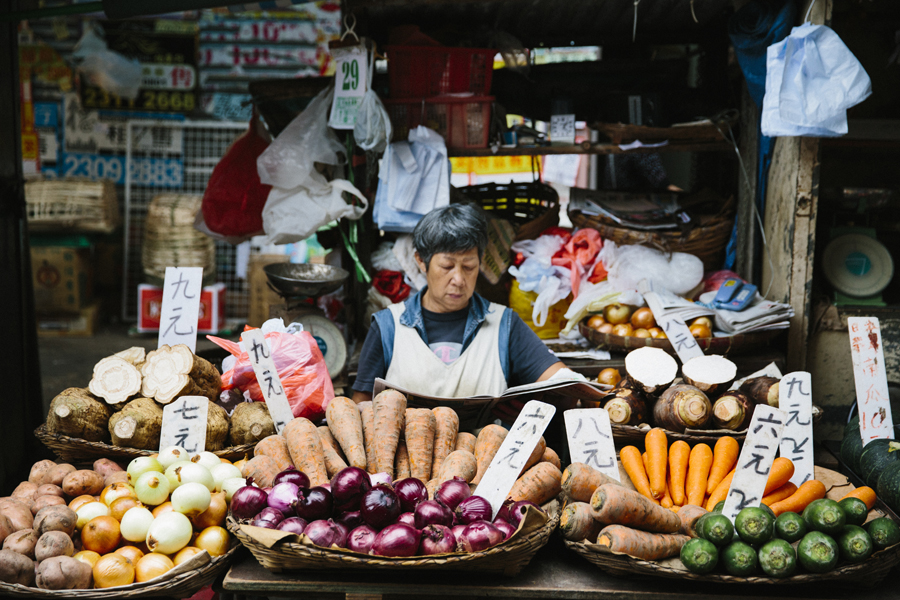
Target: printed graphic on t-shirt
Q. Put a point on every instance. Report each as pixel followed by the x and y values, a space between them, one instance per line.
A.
pixel 446 351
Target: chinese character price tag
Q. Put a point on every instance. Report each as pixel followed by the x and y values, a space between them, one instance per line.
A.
pixel 755 460
pixel 872 398
pixel 590 439
pixel 518 445
pixel 795 399
pixel 680 336
pixel 184 424
pixel 267 376
pixel 350 84
pixel 180 307
pixel 562 129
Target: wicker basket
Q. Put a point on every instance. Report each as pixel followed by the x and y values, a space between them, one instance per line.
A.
pixel 625 435
pixel 170 239
pixel 730 345
pixel 72 204
pixel 509 558
pixel 70 449
pixel 530 207
pixel 182 585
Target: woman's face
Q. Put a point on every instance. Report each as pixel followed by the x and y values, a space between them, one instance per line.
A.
pixel 451 280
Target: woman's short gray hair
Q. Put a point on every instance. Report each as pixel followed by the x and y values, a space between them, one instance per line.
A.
pixel 450 229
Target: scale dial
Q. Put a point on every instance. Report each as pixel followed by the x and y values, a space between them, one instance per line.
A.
pixel 330 339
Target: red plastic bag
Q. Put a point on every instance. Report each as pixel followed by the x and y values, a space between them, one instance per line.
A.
pixel 301 368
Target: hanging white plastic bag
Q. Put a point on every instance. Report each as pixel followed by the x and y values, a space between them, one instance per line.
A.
pixel 678 272
pixel 372 130
pixel 108 70
pixel 293 215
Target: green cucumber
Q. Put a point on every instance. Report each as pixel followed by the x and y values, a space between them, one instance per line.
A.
pixel 790 527
pixel 777 559
pixel 739 559
pixel 754 525
pixel 824 515
pixel 699 556
pixel 716 528
pixel 855 544
pixel 818 552
pixel 884 532
pixel 855 510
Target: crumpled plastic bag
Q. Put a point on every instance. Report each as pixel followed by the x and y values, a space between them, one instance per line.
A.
pixel 105 68
pixel 300 366
pixel 537 273
pixel 373 125
pixel 594 297
pixel 628 265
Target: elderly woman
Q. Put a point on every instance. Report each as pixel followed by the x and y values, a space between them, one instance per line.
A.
pixel 446 340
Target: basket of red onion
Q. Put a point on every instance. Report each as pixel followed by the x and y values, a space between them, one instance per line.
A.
pixel 360 520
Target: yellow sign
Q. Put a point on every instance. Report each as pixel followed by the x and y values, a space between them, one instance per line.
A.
pixel 494 165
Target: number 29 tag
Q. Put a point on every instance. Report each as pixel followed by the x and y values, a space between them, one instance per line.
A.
pixel 350 84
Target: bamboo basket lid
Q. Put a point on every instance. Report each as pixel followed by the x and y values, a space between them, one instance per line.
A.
pixel 170 239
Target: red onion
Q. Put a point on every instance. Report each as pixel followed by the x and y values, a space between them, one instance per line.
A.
pixel 268 517
pixel 398 539
pixel 479 536
pixel 518 510
pixel 457 530
pixel 437 539
pixel 313 504
pixel 505 528
pixel 380 507
pixel 350 519
pixel 432 512
pixel 293 524
pixel 361 539
pixel 408 518
pixel 348 486
pixel 411 491
pixel 326 533
pixel 292 475
pixel 283 496
pixel 452 492
pixel 248 501
pixel 380 479
pixel 503 513
pixel 474 508
pixel 326 487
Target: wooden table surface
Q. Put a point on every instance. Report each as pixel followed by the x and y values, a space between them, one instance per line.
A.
pixel 555 573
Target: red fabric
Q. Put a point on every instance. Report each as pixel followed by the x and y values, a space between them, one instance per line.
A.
pixel 391 285
pixel 578 254
pixel 234 197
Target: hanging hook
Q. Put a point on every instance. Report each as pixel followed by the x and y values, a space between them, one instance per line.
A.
pixel 693 14
pixel 349 27
pixel 634 29
pixel 809 11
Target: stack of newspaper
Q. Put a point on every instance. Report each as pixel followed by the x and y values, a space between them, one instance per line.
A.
pixel 760 315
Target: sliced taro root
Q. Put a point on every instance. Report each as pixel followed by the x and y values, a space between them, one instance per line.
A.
pixel 651 368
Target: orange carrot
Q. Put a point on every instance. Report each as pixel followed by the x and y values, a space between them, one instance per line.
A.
pixel 459 463
pixel 262 469
pixel 579 481
pixel 465 441
pixel 577 522
pixel 390 411
pixel 689 515
pixel 679 454
pixel 305 447
pixel 634 466
pixel 420 442
pixel 725 455
pixel 446 429
pixel 486 445
pixel 864 493
pixel 539 484
pixel 657 460
pixel 781 472
pixel 640 544
pixel 333 461
pixel 275 447
pixel 720 492
pixel 615 504
pixel 806 493
pixel 401 464
pixel 367 416
pixel 666 500
pixel 345 423
pixel 699 464
pixel 535 456
pixel 777 495
pixel 552 457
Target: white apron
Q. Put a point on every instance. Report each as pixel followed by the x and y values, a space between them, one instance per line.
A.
pixel 477 371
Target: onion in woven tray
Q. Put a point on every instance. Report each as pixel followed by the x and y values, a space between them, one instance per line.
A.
pixel 711 374
pixel 682 407
pixel 652 369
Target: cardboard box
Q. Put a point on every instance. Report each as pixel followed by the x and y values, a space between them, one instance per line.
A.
pixel 261 295
pixel 212 308
pixel 82 324
pixel 62 279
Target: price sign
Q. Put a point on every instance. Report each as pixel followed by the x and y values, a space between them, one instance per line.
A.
pixel 681 338
pixel 350 84
pixel 180 307
pixel 755 460
pixel 510 459
pixel 562 128
pixel 184 424
pixel 590 439
pixel 872 399
pixel 267 375
pixel 795 399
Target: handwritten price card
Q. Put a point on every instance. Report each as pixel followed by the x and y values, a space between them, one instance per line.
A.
pixel 180 307
pixel 184 424
pixel 872 398
pixel 590 439
pixel 755 460
pixel 267 375
pixel 795 399
pixel 680 336
pixel 510 459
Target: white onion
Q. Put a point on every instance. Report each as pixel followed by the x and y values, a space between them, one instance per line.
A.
pixel 171 455
pixel 169 533
pixel 207 459
pixel 187 472
pixel 191 499
pixel 223 471
pixel 141 465
pixel 88 511
pixel 135 523
pixel 152 488
pixel 231 485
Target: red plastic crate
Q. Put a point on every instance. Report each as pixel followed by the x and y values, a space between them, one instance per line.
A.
pixel 424 71
pixel 463 122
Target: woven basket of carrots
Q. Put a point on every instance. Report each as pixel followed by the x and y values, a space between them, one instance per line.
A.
pixel 384 486
pixel 665 520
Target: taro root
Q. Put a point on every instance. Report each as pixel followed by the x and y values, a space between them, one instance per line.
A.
pixel 652 369
pixel 626 407
pixel 77 413
pixel 762 390
pixel 681 407
pixel 711 374
pixel 137 425
pixel 732 410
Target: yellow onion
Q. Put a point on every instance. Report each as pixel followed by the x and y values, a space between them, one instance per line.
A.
pixel 191 499
pixel 207 459
pixel 132 553
pixel 230 486
pixel 113 570
pixel 141 465
pixel 188 472
pixel 214 515
pixel 214 540
pixel 169 533
pixel 114 491
pixel 168 456
pixel 223 471
pixel 135 524
pixel 120 506
pixel 88 557
pixel 152 488
pixel 88 511
pixel 240 463
pixel 151 566
pixel 80 501
pixel 186 554
pixel 162 509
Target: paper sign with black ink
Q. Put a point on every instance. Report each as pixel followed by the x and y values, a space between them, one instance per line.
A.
pixel 180 307
pixel 686 346
pixel 795 399
pixel 590 440
pixel 872 399
pixel 257 348
pixel 184 424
